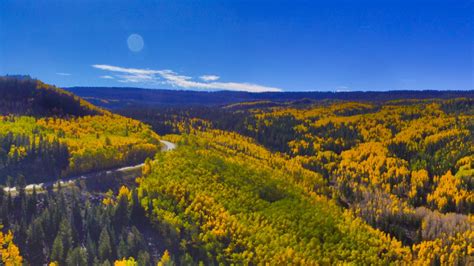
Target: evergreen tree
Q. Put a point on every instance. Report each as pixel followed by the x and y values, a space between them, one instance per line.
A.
pixel 121 214
pixel 35 244
pixel 77 257
pixel 57 252
pixel 105 245
pixel 122 249
pixel 143 258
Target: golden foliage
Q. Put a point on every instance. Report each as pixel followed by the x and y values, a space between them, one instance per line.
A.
pixel 126 262
pixel 249 205
pixel 394 164
pixel 9 251
pixel 165 259
pixel 449 194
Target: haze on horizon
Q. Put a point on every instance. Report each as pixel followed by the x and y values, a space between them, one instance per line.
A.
pixel 242 45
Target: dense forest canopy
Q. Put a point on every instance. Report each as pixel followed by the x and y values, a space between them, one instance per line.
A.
pixel 43 126
pixel 47 134
pixel 297 180
pixel 224 199
pixel 405 167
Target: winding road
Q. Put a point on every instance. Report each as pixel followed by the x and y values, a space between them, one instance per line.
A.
pixel 167 146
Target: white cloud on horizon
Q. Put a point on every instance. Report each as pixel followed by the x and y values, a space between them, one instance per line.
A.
pixel 209 77
pixel 169 77
pixel 63 74
pixel 342 89
pixel 106 77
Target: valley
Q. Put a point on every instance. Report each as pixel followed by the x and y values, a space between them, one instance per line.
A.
pixel 128 171
pixel 299 182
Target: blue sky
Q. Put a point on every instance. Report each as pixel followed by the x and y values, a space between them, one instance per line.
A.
pixel 242 45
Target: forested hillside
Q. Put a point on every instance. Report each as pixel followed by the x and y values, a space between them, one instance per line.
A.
pixel 47 133
pixel 26 96
pixel 222 199
pixel 404 167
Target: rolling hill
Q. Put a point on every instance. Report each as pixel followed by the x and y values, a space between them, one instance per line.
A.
pixel 42 125
pixel 22 95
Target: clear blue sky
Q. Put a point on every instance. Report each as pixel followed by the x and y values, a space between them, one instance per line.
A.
pixel 241 45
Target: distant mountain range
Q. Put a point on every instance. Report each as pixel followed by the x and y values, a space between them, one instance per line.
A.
pixel 119 97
